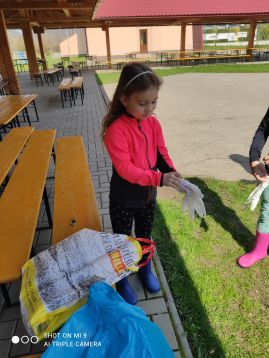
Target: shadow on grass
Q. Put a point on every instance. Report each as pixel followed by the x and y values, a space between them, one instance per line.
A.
pixel 225 216
pixel 203 341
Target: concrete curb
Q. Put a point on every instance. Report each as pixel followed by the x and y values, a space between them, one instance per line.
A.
pixel 172 309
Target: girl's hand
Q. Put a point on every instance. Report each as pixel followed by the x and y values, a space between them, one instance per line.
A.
pixel 172 179
pixel 258 170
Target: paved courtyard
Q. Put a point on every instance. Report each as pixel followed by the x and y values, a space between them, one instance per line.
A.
pixel 209 119
pixel 84 120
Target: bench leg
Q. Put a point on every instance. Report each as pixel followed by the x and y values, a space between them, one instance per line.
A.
pixel 6 295
pixel 37 117
pixel 81 94
pixel 27 116
pixel 61 92
pixel 47 206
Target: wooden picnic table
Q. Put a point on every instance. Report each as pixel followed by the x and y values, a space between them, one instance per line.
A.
pixel 12 105
pixel 75 204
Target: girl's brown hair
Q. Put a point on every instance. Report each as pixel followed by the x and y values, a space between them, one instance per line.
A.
pixel 126 86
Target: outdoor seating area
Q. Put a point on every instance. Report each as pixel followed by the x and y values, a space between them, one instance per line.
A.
pixel 105 248
pixel 32 151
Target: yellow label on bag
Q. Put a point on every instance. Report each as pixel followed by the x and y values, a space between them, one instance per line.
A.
pixel 40 320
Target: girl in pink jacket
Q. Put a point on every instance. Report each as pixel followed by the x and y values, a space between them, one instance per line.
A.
pixel 134 140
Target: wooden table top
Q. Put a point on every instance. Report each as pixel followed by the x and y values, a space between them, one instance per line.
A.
pixel 11 106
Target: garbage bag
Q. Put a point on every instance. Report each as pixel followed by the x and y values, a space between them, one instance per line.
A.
pixel 55 282
pixel 107 326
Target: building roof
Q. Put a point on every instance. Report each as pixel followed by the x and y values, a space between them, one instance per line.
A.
pixel 111 9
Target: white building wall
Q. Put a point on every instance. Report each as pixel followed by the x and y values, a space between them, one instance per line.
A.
pixel 126 39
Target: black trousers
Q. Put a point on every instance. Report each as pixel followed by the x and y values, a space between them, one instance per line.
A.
pixel 122 220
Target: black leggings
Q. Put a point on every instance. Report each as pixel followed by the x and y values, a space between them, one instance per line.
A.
pixel 122 220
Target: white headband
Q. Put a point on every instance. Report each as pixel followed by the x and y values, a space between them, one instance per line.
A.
pixel 131 80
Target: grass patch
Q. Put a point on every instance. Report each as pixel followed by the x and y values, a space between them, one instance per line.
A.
pixel 112 77
pixel 224 309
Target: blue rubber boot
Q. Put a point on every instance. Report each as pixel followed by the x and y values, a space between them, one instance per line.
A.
pixel 126 291
pixel 148 279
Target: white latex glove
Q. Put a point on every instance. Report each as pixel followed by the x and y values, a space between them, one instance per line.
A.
pixel 192 200
pixel 255 195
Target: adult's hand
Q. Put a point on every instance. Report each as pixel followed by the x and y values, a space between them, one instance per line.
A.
pixel 266 160
pixel 258 170
pixel 172 179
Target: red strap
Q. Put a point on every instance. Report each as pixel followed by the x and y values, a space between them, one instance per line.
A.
pixel 149 248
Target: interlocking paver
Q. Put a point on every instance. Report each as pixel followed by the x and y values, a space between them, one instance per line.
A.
pixel 84 120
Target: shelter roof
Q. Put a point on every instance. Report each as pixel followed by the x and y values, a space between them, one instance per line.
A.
pixel 142 8
pixel 174 12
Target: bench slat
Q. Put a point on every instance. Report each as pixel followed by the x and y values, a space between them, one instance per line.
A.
pixel 11 147
pixel 20 204
pixel 75 204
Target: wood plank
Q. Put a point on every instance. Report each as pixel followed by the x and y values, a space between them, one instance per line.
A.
pixel 11 106
pixel 11 147
pixel 75 204
pixel 65 84
pixel 20 204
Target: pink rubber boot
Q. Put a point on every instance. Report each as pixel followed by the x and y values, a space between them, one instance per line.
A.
pixel 258 253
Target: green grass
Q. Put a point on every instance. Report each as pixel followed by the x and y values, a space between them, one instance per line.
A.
pixel 224 309
pixel 113 76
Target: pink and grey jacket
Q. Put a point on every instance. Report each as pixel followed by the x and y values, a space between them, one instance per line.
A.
pixel 137 150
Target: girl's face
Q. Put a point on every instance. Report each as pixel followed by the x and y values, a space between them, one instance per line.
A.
pixel 141 104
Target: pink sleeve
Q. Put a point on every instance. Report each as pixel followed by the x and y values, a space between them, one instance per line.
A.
pixel 118 150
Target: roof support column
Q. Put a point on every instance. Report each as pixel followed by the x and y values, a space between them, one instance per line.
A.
pixel 6 63
pixel 108 51
pixel 251 36
pixel 182 40
pixel 30 49
pixel 39 31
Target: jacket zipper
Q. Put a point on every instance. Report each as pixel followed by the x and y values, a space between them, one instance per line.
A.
pixel 140 128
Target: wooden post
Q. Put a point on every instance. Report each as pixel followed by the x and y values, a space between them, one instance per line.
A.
pixel 251 36
pixel 30 49
pixel 106 29
pixel 182 40
pixel 42 53
pixel 6 63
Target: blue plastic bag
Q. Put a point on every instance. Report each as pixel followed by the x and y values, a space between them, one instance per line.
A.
pixel 107 326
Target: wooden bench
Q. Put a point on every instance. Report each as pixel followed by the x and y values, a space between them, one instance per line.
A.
pixel 11 148
pixel 77 86
pixel 20 205
pixel 207 59
pixel 75 204
pixel 74 70
pixel 65 90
